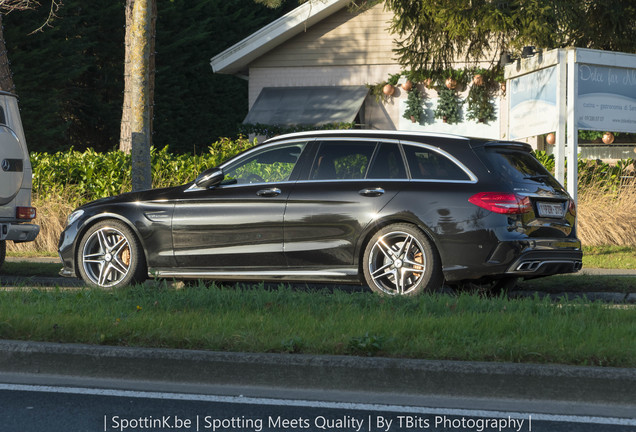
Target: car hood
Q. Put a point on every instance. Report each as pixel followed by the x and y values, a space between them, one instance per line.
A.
pixel 139 196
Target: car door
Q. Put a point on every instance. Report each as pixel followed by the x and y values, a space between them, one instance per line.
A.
pixel 349 182
pixel 239 223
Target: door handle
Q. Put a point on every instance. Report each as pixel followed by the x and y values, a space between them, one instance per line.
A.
pixel 371 192
pixel 268 192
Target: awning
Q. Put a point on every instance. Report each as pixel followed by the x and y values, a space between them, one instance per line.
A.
pixel 289 106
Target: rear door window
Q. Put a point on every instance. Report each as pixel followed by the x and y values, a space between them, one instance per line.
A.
pixel 387 163
pixel 342 160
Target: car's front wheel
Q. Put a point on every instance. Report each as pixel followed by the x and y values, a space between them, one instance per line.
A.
pixel 401 260
pixel 110 256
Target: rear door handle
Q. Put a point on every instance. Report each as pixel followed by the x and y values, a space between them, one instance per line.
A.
pixel 371 192
pixel 268 192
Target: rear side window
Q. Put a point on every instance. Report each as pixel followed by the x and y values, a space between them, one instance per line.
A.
pixel 426 164
pixel 518 166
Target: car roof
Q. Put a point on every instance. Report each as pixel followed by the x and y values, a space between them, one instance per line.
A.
pixel 401 135
pixel 372 133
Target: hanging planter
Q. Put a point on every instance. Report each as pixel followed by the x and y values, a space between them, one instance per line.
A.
pixel 608 138
pixel 450 83
pixel 550 138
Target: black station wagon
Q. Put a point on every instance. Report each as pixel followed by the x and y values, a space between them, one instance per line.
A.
pixel 402 212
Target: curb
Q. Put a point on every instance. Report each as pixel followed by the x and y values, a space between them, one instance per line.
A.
pixel 294 371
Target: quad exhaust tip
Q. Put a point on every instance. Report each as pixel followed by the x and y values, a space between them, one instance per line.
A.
pixel 534 266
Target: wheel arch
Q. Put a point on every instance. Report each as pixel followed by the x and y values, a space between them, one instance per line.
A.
pixel 377 225
pixel 97 218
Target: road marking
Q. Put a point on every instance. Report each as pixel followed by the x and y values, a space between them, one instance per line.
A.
pixel 321 404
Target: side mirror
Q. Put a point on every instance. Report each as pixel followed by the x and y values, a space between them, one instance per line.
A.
pixel 210 177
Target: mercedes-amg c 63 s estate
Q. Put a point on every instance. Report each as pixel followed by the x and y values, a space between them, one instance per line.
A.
pixel 402 212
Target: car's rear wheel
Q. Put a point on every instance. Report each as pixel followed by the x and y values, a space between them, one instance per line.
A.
pixel 110 256
pixel 401 260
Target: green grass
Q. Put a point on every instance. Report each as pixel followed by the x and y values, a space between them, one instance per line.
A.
pixel 609 257
pixel 580 283
pixel 255 319
pixel 28 269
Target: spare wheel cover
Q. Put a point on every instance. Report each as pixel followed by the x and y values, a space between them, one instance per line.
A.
pixel 11 165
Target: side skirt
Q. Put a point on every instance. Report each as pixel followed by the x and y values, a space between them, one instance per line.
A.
pixel 344 275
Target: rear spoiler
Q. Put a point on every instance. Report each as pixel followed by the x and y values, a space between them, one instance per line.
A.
pixel 512 145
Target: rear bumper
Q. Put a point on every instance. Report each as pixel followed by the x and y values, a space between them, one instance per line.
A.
pixel 19 233
pixel 527 258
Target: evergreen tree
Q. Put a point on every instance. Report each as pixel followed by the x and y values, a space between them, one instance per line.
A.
pixel 70 76
pixel 435 34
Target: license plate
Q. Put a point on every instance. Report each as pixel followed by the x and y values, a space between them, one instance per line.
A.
pixel 551 210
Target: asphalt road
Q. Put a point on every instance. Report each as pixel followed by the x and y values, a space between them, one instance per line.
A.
pixel 36 408
pixel 66 387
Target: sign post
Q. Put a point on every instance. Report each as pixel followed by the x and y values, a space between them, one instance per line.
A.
pixel 587 89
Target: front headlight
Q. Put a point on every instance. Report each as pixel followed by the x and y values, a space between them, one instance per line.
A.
pixel 74 216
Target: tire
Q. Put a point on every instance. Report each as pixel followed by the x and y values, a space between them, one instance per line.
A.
pixel 110 256
pixel 401 260
pixel 3 251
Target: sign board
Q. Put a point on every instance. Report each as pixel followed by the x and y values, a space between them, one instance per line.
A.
pixel 533 103
pixel 606 98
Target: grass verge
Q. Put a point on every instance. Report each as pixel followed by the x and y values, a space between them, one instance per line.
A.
pixel 580 283
pixel 609 257
pixel 29 269
pixel 255 319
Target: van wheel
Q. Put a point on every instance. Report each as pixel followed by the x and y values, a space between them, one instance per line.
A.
pixel 110 256
pixel 401 260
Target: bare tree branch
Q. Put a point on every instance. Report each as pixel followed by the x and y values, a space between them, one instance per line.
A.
pixel 8 6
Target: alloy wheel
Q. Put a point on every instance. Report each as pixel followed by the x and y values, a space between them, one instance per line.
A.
pixel 106 257
pixel 397 263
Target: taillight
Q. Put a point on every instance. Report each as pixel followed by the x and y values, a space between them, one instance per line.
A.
pixel 572 208
pixel 27 213
pixel 504 203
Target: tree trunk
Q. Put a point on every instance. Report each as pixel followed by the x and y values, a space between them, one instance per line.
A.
pixel 6 77
pixel 137 113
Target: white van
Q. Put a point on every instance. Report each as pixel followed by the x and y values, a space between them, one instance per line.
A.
pixel 15 178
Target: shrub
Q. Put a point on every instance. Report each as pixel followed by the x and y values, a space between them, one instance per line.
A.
pixel 92 175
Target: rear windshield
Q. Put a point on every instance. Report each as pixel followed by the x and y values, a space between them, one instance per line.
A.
pixel 518 166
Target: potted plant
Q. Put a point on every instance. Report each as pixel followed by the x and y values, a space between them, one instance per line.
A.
pixel 448 106
pixel 480 105
pixel 414 108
